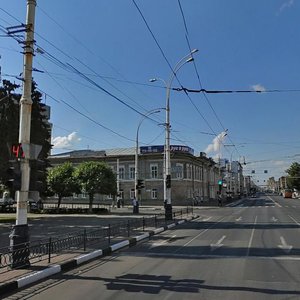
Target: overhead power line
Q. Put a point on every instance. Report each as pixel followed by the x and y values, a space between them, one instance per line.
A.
pixel 232 91
pixel 167 61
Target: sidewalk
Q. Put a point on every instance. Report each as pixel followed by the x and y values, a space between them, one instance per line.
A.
pixel 11 280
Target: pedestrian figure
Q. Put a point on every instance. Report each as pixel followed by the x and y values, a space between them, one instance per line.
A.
pixel 134 204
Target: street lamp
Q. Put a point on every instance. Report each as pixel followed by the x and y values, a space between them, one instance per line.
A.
pixel 167 160
pixel 136 172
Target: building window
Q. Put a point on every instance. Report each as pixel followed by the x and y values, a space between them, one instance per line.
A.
pixel 154 194
pixel 121 172
pixel 132 193
pixel 188 171
pixel 179 171
pixel 154 171
pixel 197 173
pixel 131 172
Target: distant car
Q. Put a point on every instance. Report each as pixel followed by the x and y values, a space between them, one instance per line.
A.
pixel 253 196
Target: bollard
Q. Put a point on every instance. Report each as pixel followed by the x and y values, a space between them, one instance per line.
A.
pixel 84 239
pixel 49 250
pixel 128 228
pixel 108 233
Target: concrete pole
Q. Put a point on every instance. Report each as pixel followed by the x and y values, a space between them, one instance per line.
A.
pixel 20 232
pixel 25 113
pixel 136 171
pixel 118 184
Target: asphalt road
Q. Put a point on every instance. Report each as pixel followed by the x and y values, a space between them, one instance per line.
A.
pixel 249 250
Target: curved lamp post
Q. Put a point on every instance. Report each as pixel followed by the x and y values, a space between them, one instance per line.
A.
pixel 136 171
pixel 167 161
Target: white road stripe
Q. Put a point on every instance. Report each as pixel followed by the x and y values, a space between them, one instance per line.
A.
pixel 163 242
pixel 294 220
pixel 218 244
pixel 251 237
pixel 284 246
pixel 202 232
pixel 277 204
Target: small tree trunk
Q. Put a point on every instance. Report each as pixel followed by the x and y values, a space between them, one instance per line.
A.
pixel 91 198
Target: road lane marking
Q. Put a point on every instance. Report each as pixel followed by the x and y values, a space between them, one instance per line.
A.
pixel 219 244
pixel 163 242
pixel 251 237
pixel 274 219
pixel 239 219
pixel 202 232
pixel 207 219
pixel 294 220
pixel 284 246
pixel 277 204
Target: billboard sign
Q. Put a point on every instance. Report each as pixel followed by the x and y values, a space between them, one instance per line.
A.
pixel 160 149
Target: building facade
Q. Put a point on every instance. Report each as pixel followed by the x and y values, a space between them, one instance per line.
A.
pixel 194 179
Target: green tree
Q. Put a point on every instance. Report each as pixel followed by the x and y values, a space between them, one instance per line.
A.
pixel 9 130
pixel 9 126
pixel 293 178
pixel 61 181
pixel 96 177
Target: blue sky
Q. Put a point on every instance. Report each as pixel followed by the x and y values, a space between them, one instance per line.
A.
pixel 243 45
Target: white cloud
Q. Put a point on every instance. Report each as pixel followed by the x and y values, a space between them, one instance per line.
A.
pixel 286 4
pixel 216 143
pixel 280 163
pixel 258 88
pixel 68 141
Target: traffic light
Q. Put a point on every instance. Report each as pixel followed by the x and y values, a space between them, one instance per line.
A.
pixel 220 183
pixel 140 184
pixel 13 174
pixel 37 175
pixel 168 181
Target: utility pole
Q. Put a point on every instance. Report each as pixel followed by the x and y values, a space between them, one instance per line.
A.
pixel 20 233
pixel 118 184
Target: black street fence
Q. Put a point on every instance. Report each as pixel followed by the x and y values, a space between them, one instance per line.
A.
pixel 24 255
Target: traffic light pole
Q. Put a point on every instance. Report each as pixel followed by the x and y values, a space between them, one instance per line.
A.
pixel 20 233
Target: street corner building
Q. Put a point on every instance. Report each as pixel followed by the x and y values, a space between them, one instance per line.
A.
pixel 194 177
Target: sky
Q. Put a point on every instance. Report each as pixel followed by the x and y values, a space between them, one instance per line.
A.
pixel 94 59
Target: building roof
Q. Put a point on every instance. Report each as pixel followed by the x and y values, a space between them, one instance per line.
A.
pixel 95 153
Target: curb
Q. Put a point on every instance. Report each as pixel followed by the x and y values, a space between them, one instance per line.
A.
pixel 71 264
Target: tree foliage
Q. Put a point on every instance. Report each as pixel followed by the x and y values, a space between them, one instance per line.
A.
pixel 96 177
pixel 293 178
pixel 9 130
pixel 61 181
pixel 9 127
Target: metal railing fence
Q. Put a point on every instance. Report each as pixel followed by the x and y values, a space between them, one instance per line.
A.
pixel 23 255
